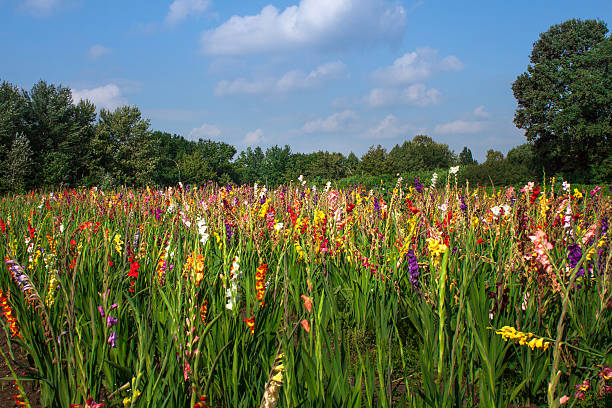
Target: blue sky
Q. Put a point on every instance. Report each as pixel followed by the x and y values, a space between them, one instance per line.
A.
pixel 337 75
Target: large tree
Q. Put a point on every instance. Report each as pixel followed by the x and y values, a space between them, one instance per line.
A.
pixel 565 97
pixel 125 151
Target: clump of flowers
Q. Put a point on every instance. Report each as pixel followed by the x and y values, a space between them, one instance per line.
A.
pixel 118 243
pixel 574 253
pixel 250 324
pixel 260 282
pixel 111 321
pixel 418 185
pixel 523 339
pixel 541 247
pixel 413 268
pixel 195 265
pixel 133 273
pixel 581 389
pixel 231 293
pixel 436 249
pixel 8 315
pixel 202 230
pixel 204 311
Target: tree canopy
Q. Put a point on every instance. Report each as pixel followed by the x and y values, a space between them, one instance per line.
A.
pixel 565 98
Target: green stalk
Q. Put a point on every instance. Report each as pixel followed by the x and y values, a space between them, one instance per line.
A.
pixel 441 315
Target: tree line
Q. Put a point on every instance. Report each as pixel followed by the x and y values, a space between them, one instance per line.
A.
pixel 49 141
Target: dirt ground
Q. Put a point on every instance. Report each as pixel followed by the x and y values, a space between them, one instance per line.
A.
pixel 7 387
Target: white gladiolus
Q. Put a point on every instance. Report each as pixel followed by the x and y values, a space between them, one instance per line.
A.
pixel 434 180
pixel 202 228
pixel 566 186
pixel 232 292
pixel 454 170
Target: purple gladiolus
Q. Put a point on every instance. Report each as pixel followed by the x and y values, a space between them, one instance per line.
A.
pixel 574 253
pixel 101 310
pixel 413 268
pixel 605 224
pixel 463 205
pixel 418 186
pixel 111 321
pixel 112 340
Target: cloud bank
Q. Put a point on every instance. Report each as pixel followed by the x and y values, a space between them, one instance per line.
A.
pixel 310 24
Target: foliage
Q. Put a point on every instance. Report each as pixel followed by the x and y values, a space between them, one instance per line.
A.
pixel 123 147
pixel 18 162
pixel 565 97
pixel 465 157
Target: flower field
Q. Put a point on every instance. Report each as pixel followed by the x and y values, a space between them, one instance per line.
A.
pixel 301 296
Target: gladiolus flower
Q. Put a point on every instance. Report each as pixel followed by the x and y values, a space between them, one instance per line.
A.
pixel 307 303
pixel 250 324
pixel 112 339
pixel 111 321
pixel 305 325
pixel 606 373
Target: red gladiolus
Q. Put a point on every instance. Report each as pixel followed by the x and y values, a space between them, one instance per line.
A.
pixel 250 324
pixel 305 325
pixel 133 273
pixel 260 282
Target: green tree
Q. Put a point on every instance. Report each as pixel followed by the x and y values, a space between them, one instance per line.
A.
pixel 12 123
pixel 465 157
pixel 250 165
pixel 565 97
pixel 195 169
pixel 18 164
pixel 327 166
pixel 494 156
pixel 124 148
pixel 352 164
pixel 375 162
pixel 58 131
pixel 276 162
pixel 421 153
pixel 12 114
pixel 218 156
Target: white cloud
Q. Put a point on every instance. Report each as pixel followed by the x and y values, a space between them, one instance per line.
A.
pixel 181 9
pixel 337 122
pixel 290 81
pixel 107 96
pixel 254 137
pixel 98 51
pixel 310 24
pixel 480 112
pixel 40 8
pixel 205 131
pixel 390 128
pixel 416 66
pixel 415 95
pixel 460 126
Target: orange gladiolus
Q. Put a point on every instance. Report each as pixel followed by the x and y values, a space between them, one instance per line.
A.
pixel 307 303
